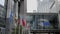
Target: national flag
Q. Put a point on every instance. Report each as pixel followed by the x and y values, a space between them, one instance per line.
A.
pixel 23 22
pixel 15 18
pixel 11 17
pixel 11 21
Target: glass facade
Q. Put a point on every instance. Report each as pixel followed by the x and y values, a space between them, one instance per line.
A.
pixel 2 13
pixel 43 21
pixel 2 8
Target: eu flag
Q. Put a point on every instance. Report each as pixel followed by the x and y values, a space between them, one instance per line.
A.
pixel 11 17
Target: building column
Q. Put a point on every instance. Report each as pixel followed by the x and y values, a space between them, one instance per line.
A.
pixel 9 4
pixel 17 9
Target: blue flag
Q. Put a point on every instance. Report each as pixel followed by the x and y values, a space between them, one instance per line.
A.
pixel 11 17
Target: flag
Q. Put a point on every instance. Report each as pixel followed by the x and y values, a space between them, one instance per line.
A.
pixel 11 21
pixel 11 17
pixel 15 18
pixel 23 22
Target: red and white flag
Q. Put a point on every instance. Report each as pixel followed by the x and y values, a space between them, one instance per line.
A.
pixel 23 22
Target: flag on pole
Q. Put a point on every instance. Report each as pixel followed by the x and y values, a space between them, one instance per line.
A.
pixel 23 22
pixel 11 17
pixel 11 21
pixel 15 18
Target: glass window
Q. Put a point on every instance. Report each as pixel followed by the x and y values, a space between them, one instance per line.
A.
pixel 49 21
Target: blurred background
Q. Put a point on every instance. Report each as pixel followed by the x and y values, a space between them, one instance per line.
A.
pixel 29 16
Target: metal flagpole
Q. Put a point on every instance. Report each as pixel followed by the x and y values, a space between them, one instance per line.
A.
pixel 20 25
pixel 15 28
pixel 15 15
pixel 19 28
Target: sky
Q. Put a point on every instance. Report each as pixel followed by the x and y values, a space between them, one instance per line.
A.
pixel 2 2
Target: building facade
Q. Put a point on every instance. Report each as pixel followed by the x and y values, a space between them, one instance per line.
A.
pixel 2 17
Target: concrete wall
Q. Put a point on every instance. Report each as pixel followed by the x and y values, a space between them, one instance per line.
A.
pixel 22 8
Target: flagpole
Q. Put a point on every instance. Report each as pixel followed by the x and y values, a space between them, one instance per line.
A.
pixel 19 28
pixel 21 25
pixel 15 30
pixel 15 21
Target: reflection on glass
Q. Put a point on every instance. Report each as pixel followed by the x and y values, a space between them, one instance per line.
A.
pixel 43 21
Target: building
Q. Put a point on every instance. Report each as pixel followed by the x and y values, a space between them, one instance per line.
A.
pixel 2 19
pixel 2 16
pixel 42 10
pixel 22 7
